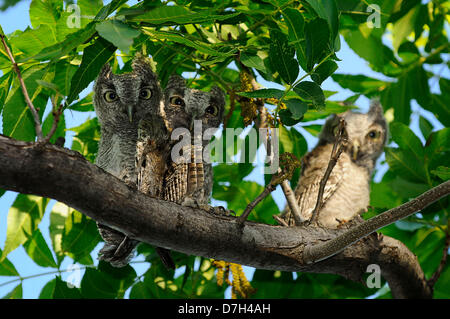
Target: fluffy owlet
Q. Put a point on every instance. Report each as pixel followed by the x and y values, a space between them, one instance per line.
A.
pixel 157 174
pixel 346 193
pixel 191 183
pixel 121 102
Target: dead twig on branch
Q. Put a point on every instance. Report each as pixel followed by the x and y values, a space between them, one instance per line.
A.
pixel 338 147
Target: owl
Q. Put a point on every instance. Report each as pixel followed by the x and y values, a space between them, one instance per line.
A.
pixel 191 183
pixel 157 174
pixel 346 192
pixel 121 102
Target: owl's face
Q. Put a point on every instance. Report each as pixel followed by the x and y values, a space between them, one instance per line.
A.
pixel 366 134
pixel 122 100
pixel 183 105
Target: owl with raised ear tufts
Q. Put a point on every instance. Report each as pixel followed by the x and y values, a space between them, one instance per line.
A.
pixel 121 102
pixel 346 192
pixel 191 183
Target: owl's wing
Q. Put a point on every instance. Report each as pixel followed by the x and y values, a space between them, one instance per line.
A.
pixel 176 182
pixel 313 169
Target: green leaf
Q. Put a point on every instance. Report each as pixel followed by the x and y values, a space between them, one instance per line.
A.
pixel 5 84
pixel 320 113
pixel 324 71
pixel 281 56
pixel 64 72
pixel 297 107
pixel 405 164
pixel 296 24
pixel 80 236
pixel 263 94
pixel 83 105
pixel 17 119
pixel 406 139
pixel 16 293
pixel 438 142
pixel 425 127
pixel 369 46
pixel 310 91
pixel 327 10
pixel 107 281
pixel 62 291
pixel 94 57
pixel 253 61
pixel 37 249
pixel 404 27
pixel 32 41
pixel 58 217
pixel 287 118
pixel 118 33
pixel 359 83
pixel 178 38
pixel 71 42
pixel 7 268
pixel 442 172
pixel 47 290
pixel 317 36
pixel 140 291
pixel 87 139
pixel 47 13
pixel 23 219
pixel 178 15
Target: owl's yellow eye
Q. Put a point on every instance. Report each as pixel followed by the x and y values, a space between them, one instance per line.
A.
pixel 212 109
pixel 176 100
pixel 110 96
pixel 374 134
pixel 145 93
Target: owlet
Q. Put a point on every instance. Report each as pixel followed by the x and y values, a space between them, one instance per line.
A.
pixel 347 191
pixel 121 101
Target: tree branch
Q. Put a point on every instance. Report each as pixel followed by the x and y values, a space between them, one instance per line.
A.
pixel 64 175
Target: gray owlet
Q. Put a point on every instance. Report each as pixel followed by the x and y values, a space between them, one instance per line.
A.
pixel 191 183
pixel 347 191
pixel 157 174
pixel 121 101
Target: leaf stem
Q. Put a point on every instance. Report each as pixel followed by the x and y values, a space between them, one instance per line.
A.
pixel 34 113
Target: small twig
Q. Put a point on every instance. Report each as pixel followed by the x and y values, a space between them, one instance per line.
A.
pixel 35 114
pixel 338 148
pixel 292 202
pixel 280 221
pixel 57 111
pixel 434 278
pixel 267 190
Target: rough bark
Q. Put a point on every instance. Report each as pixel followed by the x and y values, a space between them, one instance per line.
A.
pixel 64 175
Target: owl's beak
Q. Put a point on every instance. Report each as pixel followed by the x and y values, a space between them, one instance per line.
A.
pixel 355 150
pixel 130 110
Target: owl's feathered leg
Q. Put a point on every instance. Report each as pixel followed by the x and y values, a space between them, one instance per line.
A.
pixel 118 249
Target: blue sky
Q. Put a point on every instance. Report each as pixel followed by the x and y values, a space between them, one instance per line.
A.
pixel 17 18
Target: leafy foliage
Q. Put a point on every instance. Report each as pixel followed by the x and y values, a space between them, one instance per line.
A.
pixel 292 44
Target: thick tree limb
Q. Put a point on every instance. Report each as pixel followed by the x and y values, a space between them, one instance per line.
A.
pixel 64 175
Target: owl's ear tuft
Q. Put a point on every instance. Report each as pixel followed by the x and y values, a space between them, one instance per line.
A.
pixel 143 65
pixel 176 82
pixel 218 94
pixel 105 72
pixel 375 110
